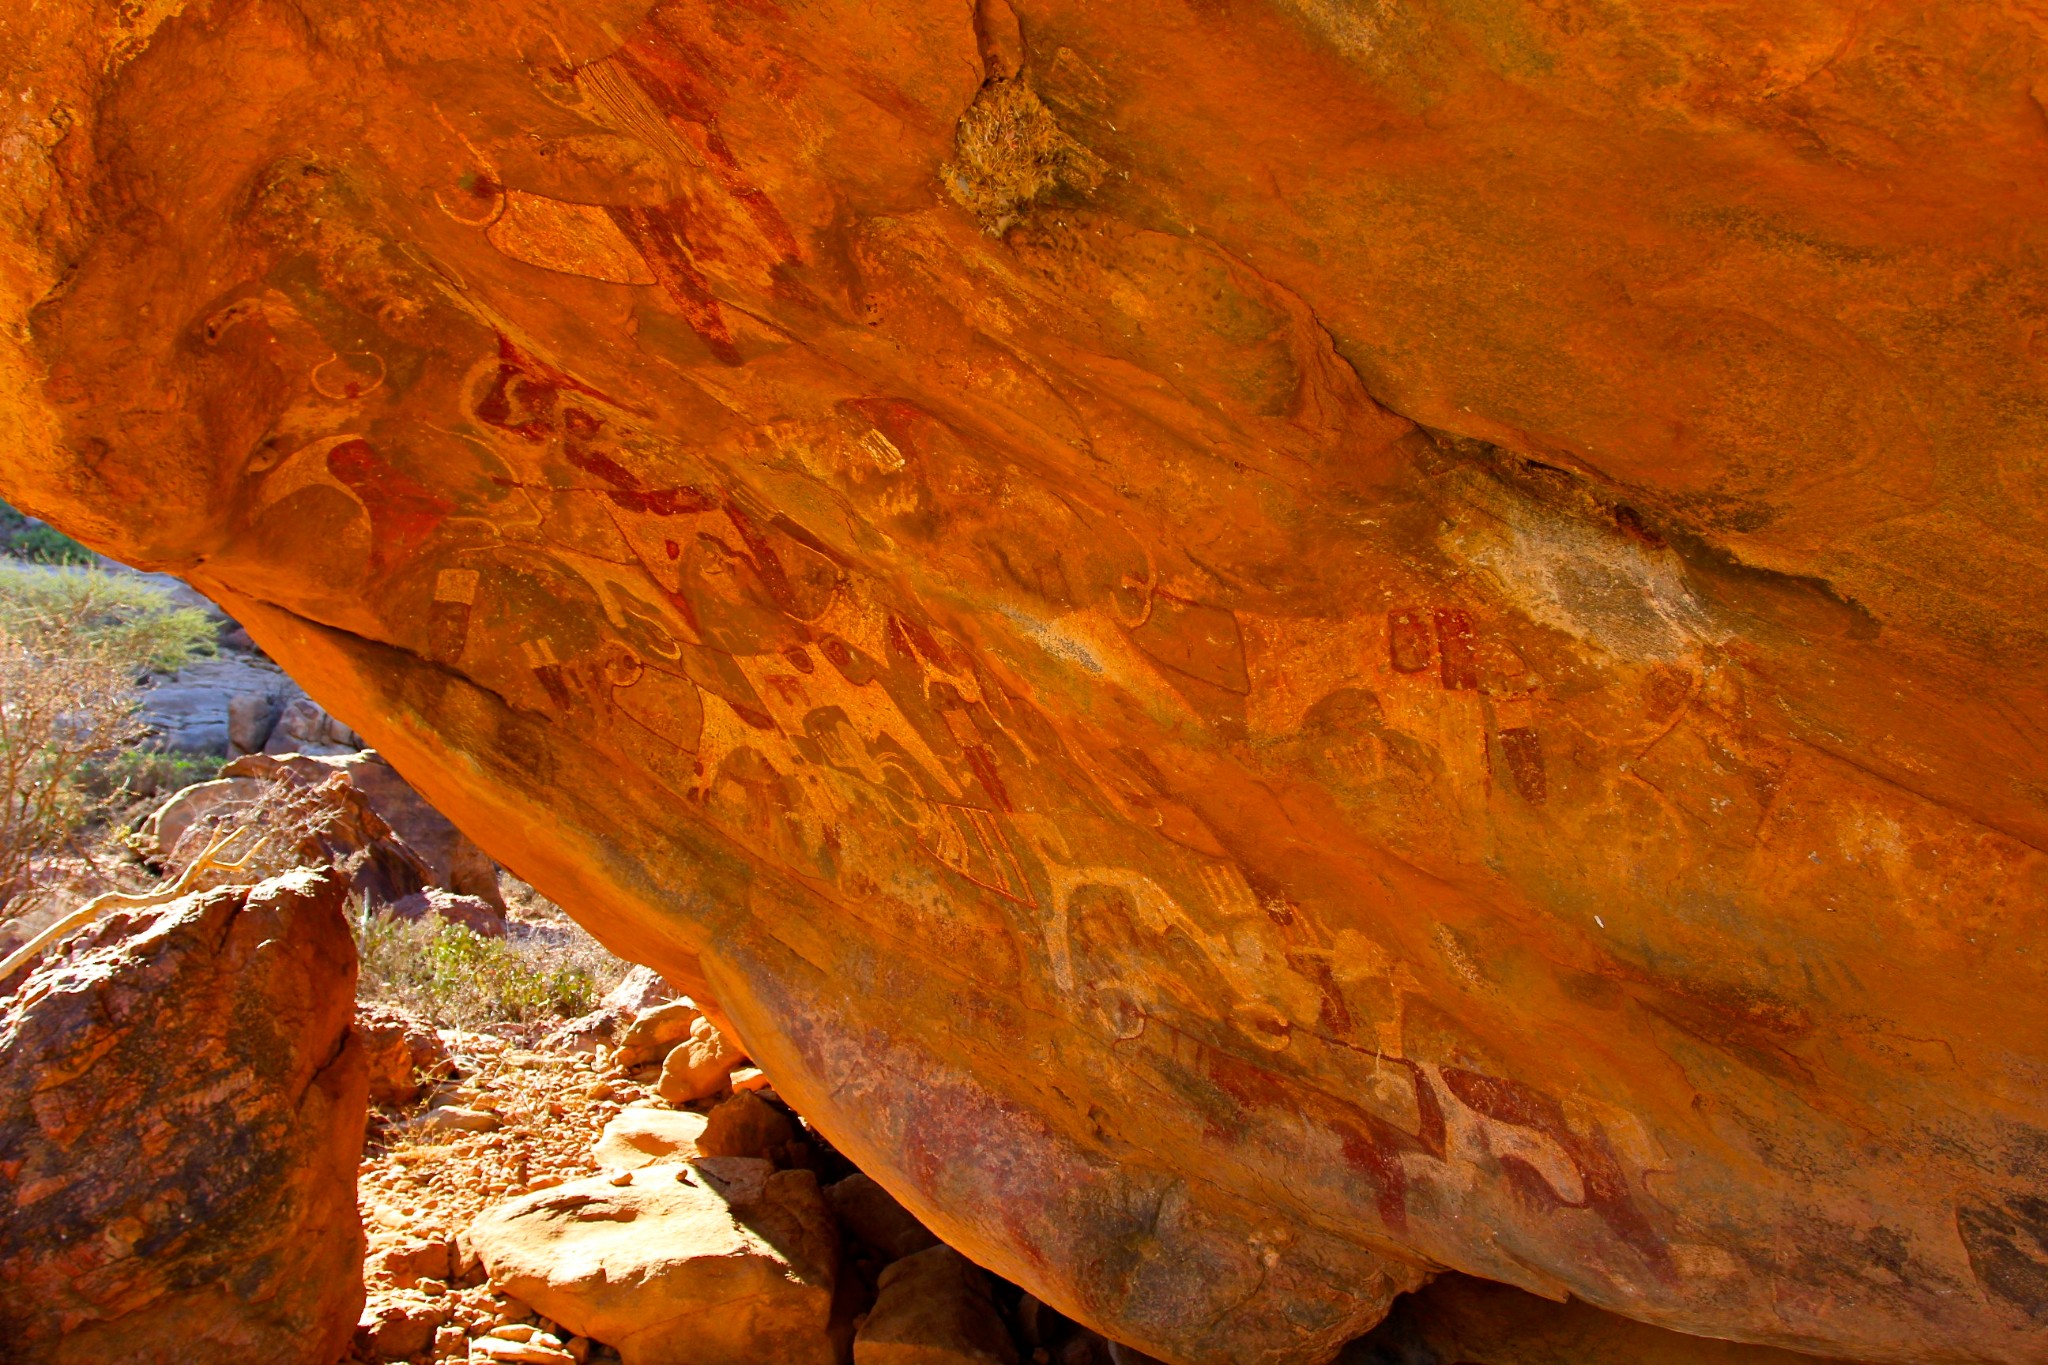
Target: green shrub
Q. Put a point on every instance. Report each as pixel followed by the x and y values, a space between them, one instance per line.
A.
pixel 456 978
pixel 48 545
pixel 144 772
pixel 71 612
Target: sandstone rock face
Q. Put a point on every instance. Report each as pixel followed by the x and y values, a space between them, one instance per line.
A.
pixel 1255 647
pixel 1471 1322
pixel 711 1262
pixel 181 1110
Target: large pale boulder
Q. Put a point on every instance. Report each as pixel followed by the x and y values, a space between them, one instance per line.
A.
pixel 181 1111
pixel 720 1261
pixel 642 1136
pixel 1257 648
pixel 653 1031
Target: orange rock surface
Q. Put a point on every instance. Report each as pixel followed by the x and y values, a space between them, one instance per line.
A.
pixel 181 1109
pixel 1255 646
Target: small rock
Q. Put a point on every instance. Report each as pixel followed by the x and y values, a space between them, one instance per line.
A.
pixel 745 1125
pixel 449 1118
pixel 696 1068
pixel 749 1078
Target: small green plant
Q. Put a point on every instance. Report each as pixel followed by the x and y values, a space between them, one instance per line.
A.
pixel 48 545
pixel 140 773
pixel 72 643
pixel 456 978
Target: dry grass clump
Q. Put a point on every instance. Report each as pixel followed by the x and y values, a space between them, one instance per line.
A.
pixel 542 972
pixel 1009 152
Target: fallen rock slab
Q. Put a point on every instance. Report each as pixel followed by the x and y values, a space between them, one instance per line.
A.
pixel 707 1262
pixel 182 1106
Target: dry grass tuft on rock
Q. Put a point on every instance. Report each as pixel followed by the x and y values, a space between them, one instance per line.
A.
pixel 538 974
pixel 1010 152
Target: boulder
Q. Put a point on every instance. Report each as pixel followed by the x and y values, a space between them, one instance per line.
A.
pixel 168 824
pixel 934 1308
pixel 653 1032
pixel 642 989
pixel 697 1067
pixel 746 1126
pixel 472 914
pixel 216 706
pixel 452 862
pixel 1278 646
pixel 405 1263
pixel 298 820
pixel 586 1033
pixel 707 1262
pixel 402 1052
pixel 181 1111
pixel 398 1326
pixel 641 1136
pixel 871 1216
pixel 304 727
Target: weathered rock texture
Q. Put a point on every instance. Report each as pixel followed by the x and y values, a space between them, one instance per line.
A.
pixel 1435 659
pixel 721 1261
pixel 181 1110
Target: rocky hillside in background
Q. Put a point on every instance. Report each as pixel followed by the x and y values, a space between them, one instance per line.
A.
pixel 1261 648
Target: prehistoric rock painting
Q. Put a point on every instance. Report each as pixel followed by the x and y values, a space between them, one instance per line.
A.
pixel 1261 649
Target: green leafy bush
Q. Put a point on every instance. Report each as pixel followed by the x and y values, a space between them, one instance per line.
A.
pixel 48 545
pixel 144 772
pixel 72 644
pixel 457 978
pixel 66 612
